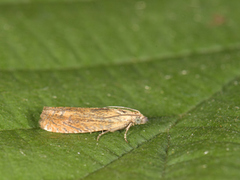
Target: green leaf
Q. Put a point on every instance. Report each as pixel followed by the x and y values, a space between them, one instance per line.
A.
pixel 177 62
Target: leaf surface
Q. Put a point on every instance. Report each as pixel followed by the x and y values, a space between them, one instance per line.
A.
pixel 178 63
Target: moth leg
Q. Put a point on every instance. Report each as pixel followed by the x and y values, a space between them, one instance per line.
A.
pixel 127 128
pixel 101 134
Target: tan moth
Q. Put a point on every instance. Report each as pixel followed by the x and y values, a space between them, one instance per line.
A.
pixel 88 120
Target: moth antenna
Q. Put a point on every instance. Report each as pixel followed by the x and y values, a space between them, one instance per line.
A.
pixel 121 107
pixel 121 115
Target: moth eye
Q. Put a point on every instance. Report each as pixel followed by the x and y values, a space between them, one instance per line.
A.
pixel 138 120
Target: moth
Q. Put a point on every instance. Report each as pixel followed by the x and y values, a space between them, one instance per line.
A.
pixel 88 120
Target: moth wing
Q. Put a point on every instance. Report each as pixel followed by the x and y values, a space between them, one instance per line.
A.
pixel 99 124
pixel 81 120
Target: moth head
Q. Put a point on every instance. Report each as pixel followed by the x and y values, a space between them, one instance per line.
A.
pixel 140 120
